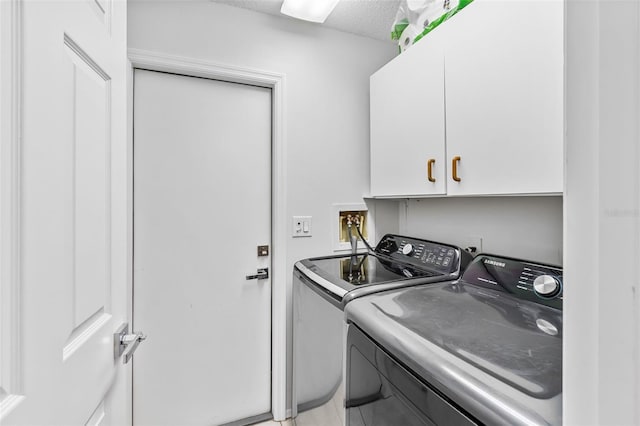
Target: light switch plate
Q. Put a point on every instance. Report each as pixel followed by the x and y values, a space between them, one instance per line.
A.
pixel 301 226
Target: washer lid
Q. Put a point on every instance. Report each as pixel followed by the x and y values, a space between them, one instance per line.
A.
pixel 474 344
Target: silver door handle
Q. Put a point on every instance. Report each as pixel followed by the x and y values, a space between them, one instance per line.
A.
pixel 263 274
pixel 125 343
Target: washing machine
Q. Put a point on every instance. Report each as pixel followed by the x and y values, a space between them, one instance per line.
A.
pixel 323 286
pixel 485 349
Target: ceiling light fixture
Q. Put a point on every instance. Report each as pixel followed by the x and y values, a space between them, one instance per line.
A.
pixel 308 10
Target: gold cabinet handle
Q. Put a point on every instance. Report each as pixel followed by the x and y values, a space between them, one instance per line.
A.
pixel 430 164
pixel 454 168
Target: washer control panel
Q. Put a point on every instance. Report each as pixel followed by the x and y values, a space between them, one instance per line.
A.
pixel 423 253
pixel 530 281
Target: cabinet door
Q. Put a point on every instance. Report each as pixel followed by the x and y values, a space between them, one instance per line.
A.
pixel 407 122
pixel 504 97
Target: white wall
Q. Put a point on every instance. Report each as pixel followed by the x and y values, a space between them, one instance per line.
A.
pixel 602 214
pixel 327 95
pixel 529 228
pixel 386 215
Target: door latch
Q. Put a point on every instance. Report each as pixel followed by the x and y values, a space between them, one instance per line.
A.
pixel 125 343
pixel 263 274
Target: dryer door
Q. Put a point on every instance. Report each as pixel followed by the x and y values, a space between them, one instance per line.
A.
pixel 381 392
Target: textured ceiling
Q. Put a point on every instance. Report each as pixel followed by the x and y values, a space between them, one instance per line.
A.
pixel 369 18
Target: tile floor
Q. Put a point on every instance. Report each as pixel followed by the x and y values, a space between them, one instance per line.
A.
pixel 288 422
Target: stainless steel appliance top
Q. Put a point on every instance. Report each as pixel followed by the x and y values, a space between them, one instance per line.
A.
pixel 492 341
pixel 397 261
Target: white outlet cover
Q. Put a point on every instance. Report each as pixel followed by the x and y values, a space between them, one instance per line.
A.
pixel 473 241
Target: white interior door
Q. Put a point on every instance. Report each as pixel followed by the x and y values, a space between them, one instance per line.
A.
pixel 69 285
pixel 202 205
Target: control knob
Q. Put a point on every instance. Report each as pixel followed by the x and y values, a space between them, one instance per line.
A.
pixel 408 249
pixel 546 286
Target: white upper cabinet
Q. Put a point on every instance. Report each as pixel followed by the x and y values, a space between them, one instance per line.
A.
pixel 495 105
pixel 407 123
pixel 504 97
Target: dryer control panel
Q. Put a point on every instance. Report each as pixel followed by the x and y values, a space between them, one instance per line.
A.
pixel 431 255
pixel 526 280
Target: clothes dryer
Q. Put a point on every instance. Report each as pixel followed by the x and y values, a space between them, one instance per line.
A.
pixel 485 349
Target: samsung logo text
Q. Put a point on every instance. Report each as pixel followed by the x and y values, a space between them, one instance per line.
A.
pixel 495 263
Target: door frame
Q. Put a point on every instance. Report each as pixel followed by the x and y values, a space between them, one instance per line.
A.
pixel 11 348
pixel 153 61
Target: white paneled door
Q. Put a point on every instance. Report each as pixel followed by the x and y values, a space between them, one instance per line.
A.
pixel 67 214
pixel 202 205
